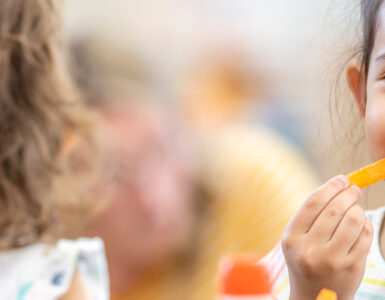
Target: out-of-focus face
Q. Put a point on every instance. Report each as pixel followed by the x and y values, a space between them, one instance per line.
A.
pixel 150 214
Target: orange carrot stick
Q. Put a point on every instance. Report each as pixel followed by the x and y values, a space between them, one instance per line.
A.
pixel 327 295
pixel 368 175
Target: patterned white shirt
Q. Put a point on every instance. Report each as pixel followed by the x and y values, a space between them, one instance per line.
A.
pixel 45 272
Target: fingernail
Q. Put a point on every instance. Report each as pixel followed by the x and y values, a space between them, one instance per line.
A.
pixel 357 189
pixel 344 180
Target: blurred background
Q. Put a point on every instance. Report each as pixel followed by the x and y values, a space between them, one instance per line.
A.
pixel 295 49
pixel 239 104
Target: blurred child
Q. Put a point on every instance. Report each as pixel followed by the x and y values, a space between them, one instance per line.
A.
pixel 163 238
pixel 166 226
pixel 148 223
pixel 331 242
pixel 40 111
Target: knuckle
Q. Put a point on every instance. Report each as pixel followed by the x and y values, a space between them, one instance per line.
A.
pixel 313 202
pixel 333 212
pixel 306 262
pixel 360 210
pixel 346 197
pixel 368 229
pixel 352 267
pixel 356 215
pixel 331 265
pixel 354 219
pixel 351 193
pixel 288 242
pixel 335 184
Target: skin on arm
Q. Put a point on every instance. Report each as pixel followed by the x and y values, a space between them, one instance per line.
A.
pixel 77 290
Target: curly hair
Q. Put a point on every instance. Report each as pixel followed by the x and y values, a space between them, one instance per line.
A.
pixel 39 105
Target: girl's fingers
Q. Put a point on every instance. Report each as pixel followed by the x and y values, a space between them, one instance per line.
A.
pixel 310 210
pixel 349 229
pixel 362 245
pixel 326 224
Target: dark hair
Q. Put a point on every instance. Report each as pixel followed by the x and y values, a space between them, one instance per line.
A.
pixel 369 14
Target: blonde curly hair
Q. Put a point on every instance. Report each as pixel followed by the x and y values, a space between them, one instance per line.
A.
pixel 39 105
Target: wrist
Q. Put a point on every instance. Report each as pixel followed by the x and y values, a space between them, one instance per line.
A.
pixel 302 294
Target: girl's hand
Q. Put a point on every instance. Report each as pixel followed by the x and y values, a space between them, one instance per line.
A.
pixel 327 242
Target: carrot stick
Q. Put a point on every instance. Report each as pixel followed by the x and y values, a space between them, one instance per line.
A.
pixel 327 295
pixel 368 175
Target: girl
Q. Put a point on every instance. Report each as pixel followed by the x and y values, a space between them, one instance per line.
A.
pixel 331 242
pixel 38 108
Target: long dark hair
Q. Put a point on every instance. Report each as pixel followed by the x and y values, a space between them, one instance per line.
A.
pixel 369 15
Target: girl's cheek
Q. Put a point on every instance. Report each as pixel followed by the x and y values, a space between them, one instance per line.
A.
pixel 375 128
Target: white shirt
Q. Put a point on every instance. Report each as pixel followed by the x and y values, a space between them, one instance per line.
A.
pixel 45 272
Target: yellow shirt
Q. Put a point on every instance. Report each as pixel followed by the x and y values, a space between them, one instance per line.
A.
pixel 258 181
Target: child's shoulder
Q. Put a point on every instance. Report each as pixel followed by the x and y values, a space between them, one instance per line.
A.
pixel 46 272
